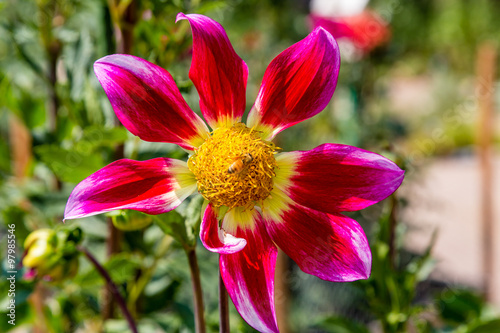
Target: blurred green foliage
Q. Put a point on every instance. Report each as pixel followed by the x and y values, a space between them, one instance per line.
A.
pixel 57 127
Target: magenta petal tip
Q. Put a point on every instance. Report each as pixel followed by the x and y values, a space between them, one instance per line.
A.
pixel 180 16
pixel 297 84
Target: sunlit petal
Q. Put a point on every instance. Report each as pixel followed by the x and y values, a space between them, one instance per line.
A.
pixel 335 178
pixel 218 73
pixel 147 101
pixel 297 85
pixel 331 247
pixel 155 186
pixel 249 278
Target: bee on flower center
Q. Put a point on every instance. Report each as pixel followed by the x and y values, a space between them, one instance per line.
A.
pixel 234 167
pixel 240 163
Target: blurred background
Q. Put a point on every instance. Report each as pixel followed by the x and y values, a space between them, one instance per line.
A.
pixel 418 84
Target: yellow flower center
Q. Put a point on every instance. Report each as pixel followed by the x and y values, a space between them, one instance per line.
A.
pixel 234 167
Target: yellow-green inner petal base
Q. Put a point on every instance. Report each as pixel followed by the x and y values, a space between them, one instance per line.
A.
pixel 234 167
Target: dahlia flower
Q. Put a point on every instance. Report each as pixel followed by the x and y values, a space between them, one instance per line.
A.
pixel 359 29
pixel 256 199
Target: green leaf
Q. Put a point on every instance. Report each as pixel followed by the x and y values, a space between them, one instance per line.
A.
pixel 340 325
pixel 172 223
pixel 69 166
pixel 459 306
pixel 492 326
pixel 193 218
pixel 184 225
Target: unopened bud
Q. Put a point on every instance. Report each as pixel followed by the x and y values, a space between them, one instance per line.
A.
pixel 132 220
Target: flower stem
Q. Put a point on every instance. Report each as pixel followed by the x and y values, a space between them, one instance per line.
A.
pixel 393 223
pixel 223 306
pixel 147 274
pixel 112 287
pixel 112 247
pixel 197 292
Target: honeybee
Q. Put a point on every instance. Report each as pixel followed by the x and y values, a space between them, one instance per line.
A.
pixel 239 163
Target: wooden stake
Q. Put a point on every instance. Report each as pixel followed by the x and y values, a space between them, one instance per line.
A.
pixel 282 292
pixel 20 143
pixel 486 69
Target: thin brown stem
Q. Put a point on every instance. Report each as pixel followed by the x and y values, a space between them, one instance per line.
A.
pixel 112 287
pixel 223 306
pixel 113 247
pixel 53 50
pixel 197 292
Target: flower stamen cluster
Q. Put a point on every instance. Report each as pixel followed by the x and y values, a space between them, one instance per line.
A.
pixel 252 178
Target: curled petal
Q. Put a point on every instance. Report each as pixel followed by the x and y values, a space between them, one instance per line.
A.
pixel 218 73
pixel 297 85
pixel 331 247
pixel 155 186
pixel 147 101
pixel 249 278
pixel 214 238
pixel 335 178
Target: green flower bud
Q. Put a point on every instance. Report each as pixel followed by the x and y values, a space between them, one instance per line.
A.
pixel 39 245
pixel 67 270
pixel 37 235
pixel 131 220
pixel 52 255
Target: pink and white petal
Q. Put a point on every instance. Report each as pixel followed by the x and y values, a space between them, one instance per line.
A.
pixel 297 85
pixel 218 73
pixel 216 239
pixel 335 178
pixel 249 278
pixel 147 101
pixel 155 186
pixel 331 247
